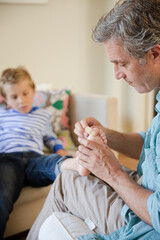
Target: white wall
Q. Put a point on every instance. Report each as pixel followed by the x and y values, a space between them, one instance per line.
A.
pixel 53 41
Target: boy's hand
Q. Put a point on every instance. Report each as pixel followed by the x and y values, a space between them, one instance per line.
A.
pixel 62 152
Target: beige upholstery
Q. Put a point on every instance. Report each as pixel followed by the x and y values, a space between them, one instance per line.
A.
pixel 31 200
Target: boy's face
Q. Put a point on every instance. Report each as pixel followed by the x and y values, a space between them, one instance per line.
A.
pixel 20 96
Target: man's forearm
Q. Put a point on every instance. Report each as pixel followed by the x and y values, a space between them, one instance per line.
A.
pixel 128 144
pixel 133 194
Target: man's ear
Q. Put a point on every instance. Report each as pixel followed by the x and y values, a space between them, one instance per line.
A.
pixel 155 51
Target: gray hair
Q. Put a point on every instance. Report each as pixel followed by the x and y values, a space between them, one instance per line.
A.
pixel 135 23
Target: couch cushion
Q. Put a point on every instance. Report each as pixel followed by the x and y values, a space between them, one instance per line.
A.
pixel 30 194
pixel 57 102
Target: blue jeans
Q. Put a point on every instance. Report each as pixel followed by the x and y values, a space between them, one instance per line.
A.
pixel 17 169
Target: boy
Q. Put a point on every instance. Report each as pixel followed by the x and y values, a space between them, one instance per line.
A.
pixel 23 131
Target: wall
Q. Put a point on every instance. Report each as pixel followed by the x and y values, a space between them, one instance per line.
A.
pixel 53 41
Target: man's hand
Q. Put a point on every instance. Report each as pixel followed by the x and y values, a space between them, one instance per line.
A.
pixel 99 159
pixel 81 125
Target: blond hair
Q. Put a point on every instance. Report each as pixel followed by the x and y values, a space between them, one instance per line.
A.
pixel 13 76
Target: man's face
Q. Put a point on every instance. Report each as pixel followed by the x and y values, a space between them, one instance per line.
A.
pixel 20 96
pixel 143 78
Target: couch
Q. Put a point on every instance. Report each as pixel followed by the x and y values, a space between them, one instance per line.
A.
pixel 31 200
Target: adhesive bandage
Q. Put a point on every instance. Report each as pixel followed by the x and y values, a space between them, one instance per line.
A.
pixel 94 135
pixel 91 131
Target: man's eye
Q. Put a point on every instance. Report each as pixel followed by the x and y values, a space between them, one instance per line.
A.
pixel 25 94
pixel 123 65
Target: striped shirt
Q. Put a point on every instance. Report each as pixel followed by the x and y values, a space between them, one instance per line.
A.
pixel 20 132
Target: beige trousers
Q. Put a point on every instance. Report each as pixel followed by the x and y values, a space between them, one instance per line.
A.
pixel 84 197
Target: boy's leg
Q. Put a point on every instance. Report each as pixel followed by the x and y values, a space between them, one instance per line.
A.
pixel 11 183
pixel 42 170
pixel 84 197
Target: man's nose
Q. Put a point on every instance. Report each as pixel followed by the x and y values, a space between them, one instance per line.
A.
pixel 118 73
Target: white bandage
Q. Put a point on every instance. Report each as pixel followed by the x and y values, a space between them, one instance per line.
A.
pixel 90 131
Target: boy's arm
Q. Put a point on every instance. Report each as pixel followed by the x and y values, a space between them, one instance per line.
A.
pixel 51 140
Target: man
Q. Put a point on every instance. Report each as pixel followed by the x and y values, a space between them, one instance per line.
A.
pixel 131 37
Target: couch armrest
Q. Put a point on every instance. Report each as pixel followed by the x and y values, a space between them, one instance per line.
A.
pixel 101 107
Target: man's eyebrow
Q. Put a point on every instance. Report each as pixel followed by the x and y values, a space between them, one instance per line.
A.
pixel 117 61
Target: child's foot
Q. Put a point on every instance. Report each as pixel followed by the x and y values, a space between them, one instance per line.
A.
pixel 70 164
pixel 82 170
pixel 95 135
